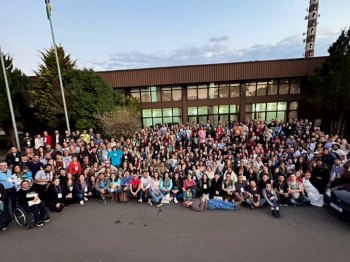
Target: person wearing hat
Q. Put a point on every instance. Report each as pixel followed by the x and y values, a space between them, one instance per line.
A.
pixel 106 166
pixel 338 153
pixel 328 158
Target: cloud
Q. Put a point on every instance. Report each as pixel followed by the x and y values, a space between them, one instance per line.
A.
pixel 220 39
pixel 216 50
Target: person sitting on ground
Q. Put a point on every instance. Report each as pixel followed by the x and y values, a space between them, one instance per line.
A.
pixel 190 183
pixel 271 198
pixel 296 192
pixel 102 185
pixel 229 189
pixel 204 185
pixel 29 200
pixel 145 187
pixel 281 188
pixel 216 187
pixel 155 190
pixel 316 198
pixel 124 185
pixel 82 189
pixel 113 187
pixel 58 195
pixel 135 186
pixel 177 188
pixel 263 181
pixel 166 184
pixel 254 200
pixel 241 188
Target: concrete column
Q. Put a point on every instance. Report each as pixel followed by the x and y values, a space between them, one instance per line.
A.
pixel 242 102
pixel 184 104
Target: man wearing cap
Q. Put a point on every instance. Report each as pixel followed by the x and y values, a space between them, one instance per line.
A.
pixel 338 152
pixel 108 165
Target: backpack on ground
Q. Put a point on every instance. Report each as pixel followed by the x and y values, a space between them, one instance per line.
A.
pixel 5 220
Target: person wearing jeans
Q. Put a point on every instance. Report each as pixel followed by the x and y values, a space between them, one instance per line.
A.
pixel 82 189
pixel 166 184
pixel 296 192
pixel 177 188
pixel 271 198
pixel 254 199
pixel 155 190
pixel 145 186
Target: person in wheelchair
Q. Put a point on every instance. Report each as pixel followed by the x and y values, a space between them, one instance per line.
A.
pixel 58 195
pixel 29 200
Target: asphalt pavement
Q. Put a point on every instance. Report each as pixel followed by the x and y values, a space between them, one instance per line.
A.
pixel 137 232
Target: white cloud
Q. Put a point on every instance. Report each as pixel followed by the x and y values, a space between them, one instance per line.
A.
pixel 216 50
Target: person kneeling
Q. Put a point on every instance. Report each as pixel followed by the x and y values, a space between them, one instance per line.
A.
pixel 58 196
pixel 135 186
pixel 82 189
pixel 28 199
pixel 271 198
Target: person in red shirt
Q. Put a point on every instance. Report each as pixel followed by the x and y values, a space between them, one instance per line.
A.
pixel 47 139
pixel 134 187
pixel 190 183
pixel 219 132
pixel 74 167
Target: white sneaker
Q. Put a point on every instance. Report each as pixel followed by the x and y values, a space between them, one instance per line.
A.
pixel 171 199
pixel 150 203
pixel 175 200
pixel 3 229
pixel 159 205
pixel 140 200
pixel 81 202
pixel 86 199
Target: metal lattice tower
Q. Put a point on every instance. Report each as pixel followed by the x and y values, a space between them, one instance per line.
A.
pixel 311 28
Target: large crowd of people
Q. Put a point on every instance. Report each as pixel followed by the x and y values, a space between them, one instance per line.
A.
pixel 211 165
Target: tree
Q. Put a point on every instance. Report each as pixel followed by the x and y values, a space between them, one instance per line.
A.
pixel 18 84
pixel 46 93
pixel 124 120
pixel 90 95
pixel 329 86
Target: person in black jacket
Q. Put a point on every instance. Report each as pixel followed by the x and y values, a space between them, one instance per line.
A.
pixel 58 195
pixel 322 175
pixel 13 158
pixel 216 186
pixel 82 189
pixel 29 200
pixel 2 196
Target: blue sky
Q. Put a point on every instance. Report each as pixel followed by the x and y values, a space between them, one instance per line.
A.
pixel 122 34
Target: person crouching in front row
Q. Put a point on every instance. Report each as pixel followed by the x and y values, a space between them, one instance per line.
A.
pixel 82 189
pixel 271 198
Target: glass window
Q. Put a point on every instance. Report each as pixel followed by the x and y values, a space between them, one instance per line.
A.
pixel 281 116
pixel 261 88
pixel 272 87
pixel 202 91
pixel 156 94
pixel 192 119
pixel 136 95
pixel 282 106
pixel 223 118
pixel 234 89
pixel 293 105
pixel 261 115
pixel 249 116
pixel 157 121
pixel 166 93
pixel 270 115
pixel 177 112
pixel 145 94
pixel 202 110
pixel 147 122
pixel 233 117
pixel 250 107
pixel 203 119
pixel 223 109
pixel 215 110
pixel 176 120
pixel 260 107
pixel 147 112
pixel 191 92
pixel 213 90
pixel 157 112
pixel 295 88
pixel 167 112
pixel 192 111
pixel 224 90
pixel 167 120
pixel 176 93
pixel 284 87
pixel 251 89
pixel 233 108
pixel 271 106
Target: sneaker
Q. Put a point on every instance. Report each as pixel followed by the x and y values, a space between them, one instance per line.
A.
pixel 159 205
pixel 278 213
pixel 171 199
pixel 104 202
pixel 81 202
pixel 46 219
pixel 149 202
pixel 39 223
pixel 3 229
pixel 86 199
pixel 140 200
pixel 303 205
pixel 252 207
pixel 285 205
pixel 175 201
pixel 274 213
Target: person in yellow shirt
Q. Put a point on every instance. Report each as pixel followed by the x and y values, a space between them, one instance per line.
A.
pixel 86 137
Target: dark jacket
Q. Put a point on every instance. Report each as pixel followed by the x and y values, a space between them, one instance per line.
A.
pixel 55 190
pixel 11 159
pixel 78 188
pixel 22 196
pixel 216 186
pixel 2 192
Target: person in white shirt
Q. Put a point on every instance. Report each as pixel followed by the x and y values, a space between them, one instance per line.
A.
pixel 145 185
pixel 39 142
pixel 233 175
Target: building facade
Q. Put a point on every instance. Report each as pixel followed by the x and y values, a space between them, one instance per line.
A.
pixel 233 91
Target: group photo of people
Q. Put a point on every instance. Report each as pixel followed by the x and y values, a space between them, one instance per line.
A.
pixel 212 165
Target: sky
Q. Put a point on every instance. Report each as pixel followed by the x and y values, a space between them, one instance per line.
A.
pixel 125 34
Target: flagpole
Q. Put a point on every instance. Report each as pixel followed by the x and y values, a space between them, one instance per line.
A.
pixel 59 76
pixel 10 101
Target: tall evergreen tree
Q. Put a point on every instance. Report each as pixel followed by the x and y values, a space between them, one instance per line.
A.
pixel 329 86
